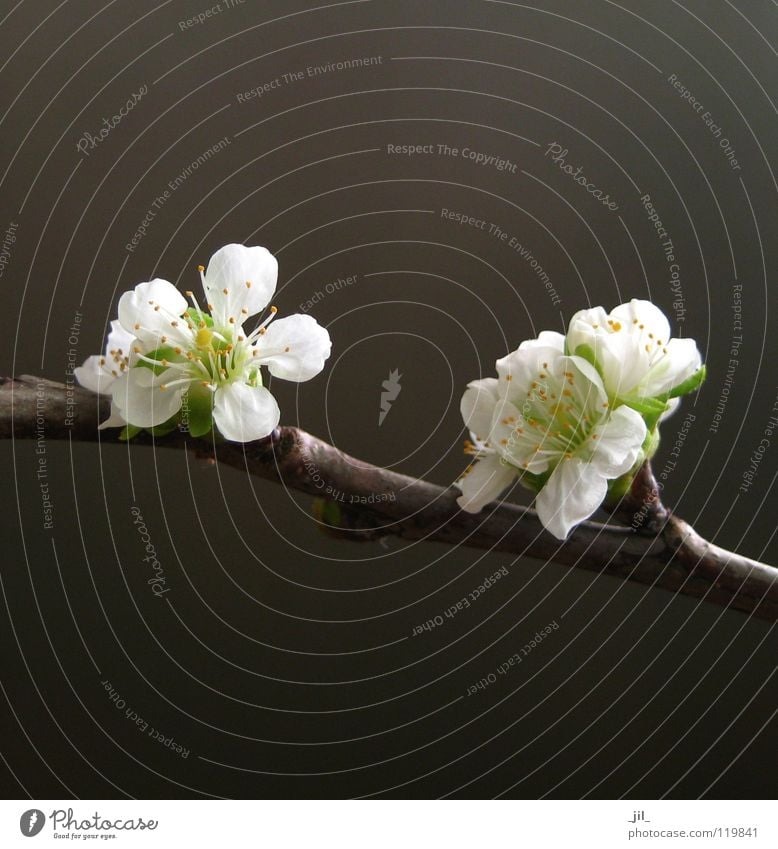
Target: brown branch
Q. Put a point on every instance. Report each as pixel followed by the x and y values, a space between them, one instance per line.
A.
pixel 364 502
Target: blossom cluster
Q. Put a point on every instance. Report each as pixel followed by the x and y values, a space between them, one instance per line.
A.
pixel 169 364
pixel 574 416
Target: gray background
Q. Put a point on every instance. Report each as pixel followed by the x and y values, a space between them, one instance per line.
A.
pixel 282 659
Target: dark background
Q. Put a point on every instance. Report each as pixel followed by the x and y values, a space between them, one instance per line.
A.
pixel 282 659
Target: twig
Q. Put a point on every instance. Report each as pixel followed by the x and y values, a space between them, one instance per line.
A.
pixel 367 502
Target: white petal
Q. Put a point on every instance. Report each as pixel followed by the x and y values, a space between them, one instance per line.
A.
pixel 487 478
pixel 681 361
pixel 232 268
pixel 572 493
pixel 115 419
pixel 583 327
pixel 592 388
pixel 546 339
pixel 93 376
pixel 138 314
pixel 624 361
pixel 477 406
pixel 520 368
pixel 119 340
pixel 294 348
pixel 637 312
pixel 619 442
pixel 244 413
pixel 140 400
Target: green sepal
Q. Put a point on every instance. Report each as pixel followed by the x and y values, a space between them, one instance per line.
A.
pixel 532 481
pixel 255 378
pixel 199 414
pixel 689 385
pixel 197 316
pixel 128 431
pixel 650 409
pixel 586 352
pixel 166 427
pixel 618 488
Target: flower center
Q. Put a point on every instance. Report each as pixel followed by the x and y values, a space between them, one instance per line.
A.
pixel 558 418
pixel 203 337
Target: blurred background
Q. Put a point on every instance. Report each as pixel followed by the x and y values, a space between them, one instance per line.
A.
pixel 381 150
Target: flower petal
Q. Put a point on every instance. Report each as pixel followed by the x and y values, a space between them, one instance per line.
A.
pixel 243 413
pixel 520 368
pixel 619 442
pixel 248 275
pixel 115 419
pixel 477 406
pixel 583 326
pixel 681 361
pixel 485 480
pixel 638 312
pixel 572 493
pixel 546 339
pixel 142 402
pixel 120 342
pixel 294 348
pixel 91 375
pixel 149 311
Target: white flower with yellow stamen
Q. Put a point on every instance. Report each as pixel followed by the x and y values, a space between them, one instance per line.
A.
pixel 205 356
pixel 632 349
pixel 547 421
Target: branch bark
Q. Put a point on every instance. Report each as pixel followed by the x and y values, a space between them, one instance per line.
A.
pixel 364 502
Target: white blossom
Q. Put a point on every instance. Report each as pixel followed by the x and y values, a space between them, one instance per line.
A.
pixel 547 420
pixel 205 354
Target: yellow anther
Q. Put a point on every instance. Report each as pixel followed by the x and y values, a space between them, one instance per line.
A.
pixel 201 268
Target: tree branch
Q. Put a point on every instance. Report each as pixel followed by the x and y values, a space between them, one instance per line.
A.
pixel 364 502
